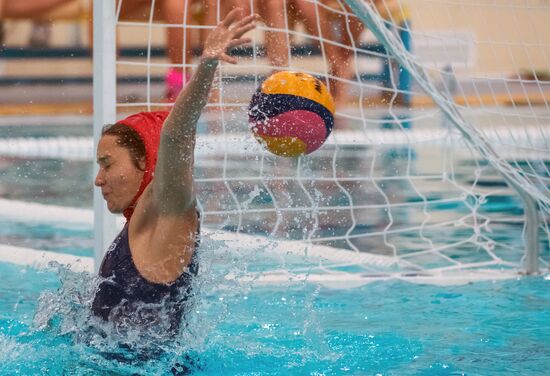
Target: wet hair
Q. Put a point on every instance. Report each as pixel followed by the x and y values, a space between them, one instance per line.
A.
pixel 127 138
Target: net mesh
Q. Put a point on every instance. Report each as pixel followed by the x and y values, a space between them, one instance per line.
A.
pixel 442 117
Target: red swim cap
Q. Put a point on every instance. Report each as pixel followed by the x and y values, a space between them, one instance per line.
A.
pixel 148 125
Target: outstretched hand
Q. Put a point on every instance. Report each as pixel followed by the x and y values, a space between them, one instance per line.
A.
pixel 228 34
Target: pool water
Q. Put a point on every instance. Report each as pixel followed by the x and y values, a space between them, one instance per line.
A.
pixel 386 328
pixel 241 328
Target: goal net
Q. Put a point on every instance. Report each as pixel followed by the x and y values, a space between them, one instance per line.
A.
pixel 440 152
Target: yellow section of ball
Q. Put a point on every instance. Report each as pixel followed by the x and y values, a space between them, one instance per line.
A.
pixel 283 146
pixel 299 84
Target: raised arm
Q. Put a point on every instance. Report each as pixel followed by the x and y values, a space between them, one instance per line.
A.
pixel 173 183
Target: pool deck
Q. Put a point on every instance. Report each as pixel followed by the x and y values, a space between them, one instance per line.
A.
pixel 44 85
pixel 78 99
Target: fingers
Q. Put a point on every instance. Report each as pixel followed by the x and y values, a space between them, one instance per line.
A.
pixel 238 42
pixel 229 34
pixel 228 59
pixel 243 30
pixel 231 17
pixel 241 26
pixel 247 20
pixel 232 44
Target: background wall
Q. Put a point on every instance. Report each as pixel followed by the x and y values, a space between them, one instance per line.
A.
pixel 481 37
pixel 509 35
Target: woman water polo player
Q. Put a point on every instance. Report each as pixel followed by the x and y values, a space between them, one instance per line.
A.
pixel 146 173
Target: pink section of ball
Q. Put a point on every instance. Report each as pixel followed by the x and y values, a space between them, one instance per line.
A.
pixel 305 125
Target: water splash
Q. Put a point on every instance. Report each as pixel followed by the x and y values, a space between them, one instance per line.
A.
pixel 65 335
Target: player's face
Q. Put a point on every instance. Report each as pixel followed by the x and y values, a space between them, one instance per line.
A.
pixel 118 177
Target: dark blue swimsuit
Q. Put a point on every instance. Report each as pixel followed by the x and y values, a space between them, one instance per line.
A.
pixel 125 298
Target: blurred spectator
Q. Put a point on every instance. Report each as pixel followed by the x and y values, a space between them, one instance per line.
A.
pixel 276 43
pixel 28 8
pixel 326 21
pixel 398 20
pixel 302 12
pixel 40 34
pixel 31 9
pixel 343 32
pixel 272 13
pixel 340 34
pixel 178 41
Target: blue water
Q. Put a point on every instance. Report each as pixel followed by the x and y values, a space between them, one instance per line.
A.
pixel 387 328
